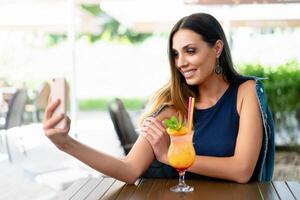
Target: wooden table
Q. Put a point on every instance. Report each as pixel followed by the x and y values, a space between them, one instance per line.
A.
pixel 109 188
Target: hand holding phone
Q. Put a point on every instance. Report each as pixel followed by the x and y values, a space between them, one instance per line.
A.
pixel 59 91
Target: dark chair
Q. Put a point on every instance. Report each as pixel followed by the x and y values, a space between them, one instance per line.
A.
pixel 122 124
pixel 14 116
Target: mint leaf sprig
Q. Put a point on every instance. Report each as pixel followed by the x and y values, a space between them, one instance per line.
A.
pixel 173 123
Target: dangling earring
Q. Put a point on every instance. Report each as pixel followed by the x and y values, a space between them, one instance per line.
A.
pixel 218 69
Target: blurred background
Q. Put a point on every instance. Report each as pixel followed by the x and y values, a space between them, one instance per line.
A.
pixel 118 49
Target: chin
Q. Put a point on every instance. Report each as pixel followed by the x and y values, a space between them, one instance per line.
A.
pixel 192 82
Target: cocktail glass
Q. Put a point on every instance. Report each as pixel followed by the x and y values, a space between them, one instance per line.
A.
pixel 181 155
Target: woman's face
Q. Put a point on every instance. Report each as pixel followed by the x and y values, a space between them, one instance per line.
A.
pixel 194 58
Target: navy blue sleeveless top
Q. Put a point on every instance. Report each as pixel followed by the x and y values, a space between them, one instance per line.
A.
pixel 216 130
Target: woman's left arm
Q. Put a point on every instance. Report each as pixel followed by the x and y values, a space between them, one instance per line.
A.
pixel 241 165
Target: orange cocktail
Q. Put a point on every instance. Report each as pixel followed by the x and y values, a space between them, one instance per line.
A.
pixel 181 154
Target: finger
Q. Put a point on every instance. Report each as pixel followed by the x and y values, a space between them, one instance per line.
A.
pixel 148 137
pixel 152 137
pixel 156 131
pixel 67 127
pixel 149 130
pixel 50 109
pixel 157 123
pixel 53 132
pixel 53 121
pixel 144 129
pixel 163 124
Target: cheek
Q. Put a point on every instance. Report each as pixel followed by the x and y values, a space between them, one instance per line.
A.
pixel 205 62
pixel 200 61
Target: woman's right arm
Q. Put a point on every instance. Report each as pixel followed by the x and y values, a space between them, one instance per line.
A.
pixel 127 169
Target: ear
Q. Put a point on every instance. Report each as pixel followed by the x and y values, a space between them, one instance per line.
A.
pixel 219 47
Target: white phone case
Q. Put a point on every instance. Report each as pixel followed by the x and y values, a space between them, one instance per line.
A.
pixel 59 91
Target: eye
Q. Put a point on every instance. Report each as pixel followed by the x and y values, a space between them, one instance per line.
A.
pixel 190 50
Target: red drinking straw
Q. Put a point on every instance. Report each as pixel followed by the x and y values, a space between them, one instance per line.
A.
pixel 191 112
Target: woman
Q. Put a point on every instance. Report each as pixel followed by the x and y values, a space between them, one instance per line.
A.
pixel 234 134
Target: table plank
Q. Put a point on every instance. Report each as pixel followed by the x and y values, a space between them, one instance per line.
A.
pixel 158 189
pixel 212 189
pixel 73 189
pixel 246 191
pixel 169 195
pixel 87 188
pixel 268 191
pixel 128 191
pixel 282 190
pixel 114 190
pixel 143 189
pixel 294 186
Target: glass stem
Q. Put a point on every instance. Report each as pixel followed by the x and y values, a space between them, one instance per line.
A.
pixel 181 178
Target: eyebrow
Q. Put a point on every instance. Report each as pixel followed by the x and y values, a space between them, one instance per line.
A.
pixel 185 46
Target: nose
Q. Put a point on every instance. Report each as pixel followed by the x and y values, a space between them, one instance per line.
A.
pixel 181 61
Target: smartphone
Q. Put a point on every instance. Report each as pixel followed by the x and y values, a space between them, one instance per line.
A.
pixel 59 91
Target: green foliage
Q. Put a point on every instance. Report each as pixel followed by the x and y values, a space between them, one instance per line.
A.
pixel 92 8
pixel 112 30
pixel 55 38
pixel 102 103
pixel 134 103
pixel 283 91
pixel 94 104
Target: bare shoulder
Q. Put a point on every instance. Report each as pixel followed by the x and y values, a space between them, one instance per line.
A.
pixel 167 112
pixel 248 87
pixel 247 90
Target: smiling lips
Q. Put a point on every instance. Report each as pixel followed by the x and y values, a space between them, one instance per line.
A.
pixel 188 73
